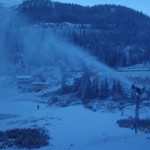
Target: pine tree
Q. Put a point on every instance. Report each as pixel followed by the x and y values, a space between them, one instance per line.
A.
pixel 120 91
pixel 65 89
pixel 104 90
pixel 117 91
pixel 85 88
pixel 114 89
pixel 76 84
pixel 95 87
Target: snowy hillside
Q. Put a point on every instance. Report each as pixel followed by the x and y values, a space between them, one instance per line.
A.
pixel 73 81
pixel 73 127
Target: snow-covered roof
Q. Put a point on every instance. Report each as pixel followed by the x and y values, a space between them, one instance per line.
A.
pixel 41 83
pixel 24 77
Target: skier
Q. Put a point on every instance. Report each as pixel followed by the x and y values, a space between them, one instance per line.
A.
pixel 38 107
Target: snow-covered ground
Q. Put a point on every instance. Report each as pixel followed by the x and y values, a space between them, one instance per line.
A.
pixel 138 74
pixel 71 128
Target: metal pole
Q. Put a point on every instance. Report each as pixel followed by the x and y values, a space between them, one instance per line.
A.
pixel 136 122
pixel 137 93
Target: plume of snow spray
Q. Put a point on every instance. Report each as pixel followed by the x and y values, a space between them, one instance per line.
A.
pixel 25 49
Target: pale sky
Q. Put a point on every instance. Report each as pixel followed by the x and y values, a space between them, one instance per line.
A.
pixel 141 5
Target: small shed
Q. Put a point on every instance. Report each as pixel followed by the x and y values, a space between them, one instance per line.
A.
pixel 24 82
pixel 38 86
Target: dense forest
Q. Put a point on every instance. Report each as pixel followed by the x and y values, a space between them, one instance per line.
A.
pixel 117 35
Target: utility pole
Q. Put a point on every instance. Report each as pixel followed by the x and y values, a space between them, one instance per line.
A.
pixel 137 94
pixel 137 117
pixel 137 113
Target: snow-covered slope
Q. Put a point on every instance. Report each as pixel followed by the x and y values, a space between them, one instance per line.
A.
pixel 71 128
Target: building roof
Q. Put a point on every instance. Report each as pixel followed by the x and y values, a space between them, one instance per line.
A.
pixel 24 77
pixel 41 83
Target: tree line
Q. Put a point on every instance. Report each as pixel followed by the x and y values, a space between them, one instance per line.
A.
pixel 90 87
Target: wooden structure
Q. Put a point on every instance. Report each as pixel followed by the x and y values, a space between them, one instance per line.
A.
pixel 24 82
pixel 38 86
pixel 29 84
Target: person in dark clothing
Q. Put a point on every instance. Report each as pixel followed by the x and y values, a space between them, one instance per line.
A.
pixel 38 107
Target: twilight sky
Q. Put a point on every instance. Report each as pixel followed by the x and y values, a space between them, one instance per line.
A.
pixel 141 5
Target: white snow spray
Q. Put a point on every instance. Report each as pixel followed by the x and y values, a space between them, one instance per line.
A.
pixel 26 49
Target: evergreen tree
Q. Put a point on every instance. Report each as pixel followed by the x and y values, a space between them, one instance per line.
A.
pixel 65 89
pixel 76 84
pixel 85 88
pixel 95 87
pixel 117 91
pixel 120 91
pixel 104 90
pixel 114 89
